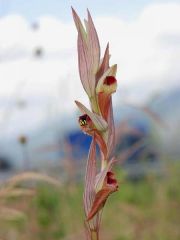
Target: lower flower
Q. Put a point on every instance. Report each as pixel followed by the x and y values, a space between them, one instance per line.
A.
pixel 110 185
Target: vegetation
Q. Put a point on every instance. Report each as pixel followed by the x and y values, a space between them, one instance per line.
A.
pixel 146 209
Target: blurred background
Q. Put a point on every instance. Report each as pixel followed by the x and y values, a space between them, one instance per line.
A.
pixel 42 150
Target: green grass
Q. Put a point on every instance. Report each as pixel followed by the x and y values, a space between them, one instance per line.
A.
pixel 144 210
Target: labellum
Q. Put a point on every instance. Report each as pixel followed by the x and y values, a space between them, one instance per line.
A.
pixel 86 124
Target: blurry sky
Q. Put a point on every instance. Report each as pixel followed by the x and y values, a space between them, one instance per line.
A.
pixel 144 37
pixel 125 9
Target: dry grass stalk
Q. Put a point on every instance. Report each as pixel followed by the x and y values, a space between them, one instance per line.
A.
pixel 33 176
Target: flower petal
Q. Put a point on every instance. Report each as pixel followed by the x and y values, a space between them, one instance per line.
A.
pixel 99 122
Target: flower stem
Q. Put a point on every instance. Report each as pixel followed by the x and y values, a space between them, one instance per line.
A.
pixel 94 235
pixel 103 164
pixel 94 105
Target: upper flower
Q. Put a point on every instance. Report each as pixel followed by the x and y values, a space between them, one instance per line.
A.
pixel 94 73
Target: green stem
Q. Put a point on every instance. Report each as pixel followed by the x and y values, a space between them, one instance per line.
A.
pixel 94 235
pixel 94 104
pixel 103 164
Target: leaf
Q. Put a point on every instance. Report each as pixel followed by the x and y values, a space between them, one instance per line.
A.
pixel 90 177
pixel 89 193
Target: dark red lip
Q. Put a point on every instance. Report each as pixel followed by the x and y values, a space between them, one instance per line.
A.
pixel 109 80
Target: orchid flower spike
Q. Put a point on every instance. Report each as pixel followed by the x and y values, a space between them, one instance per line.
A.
pixel 99 82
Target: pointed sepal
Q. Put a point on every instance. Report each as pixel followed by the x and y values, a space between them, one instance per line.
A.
pixel 104 64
